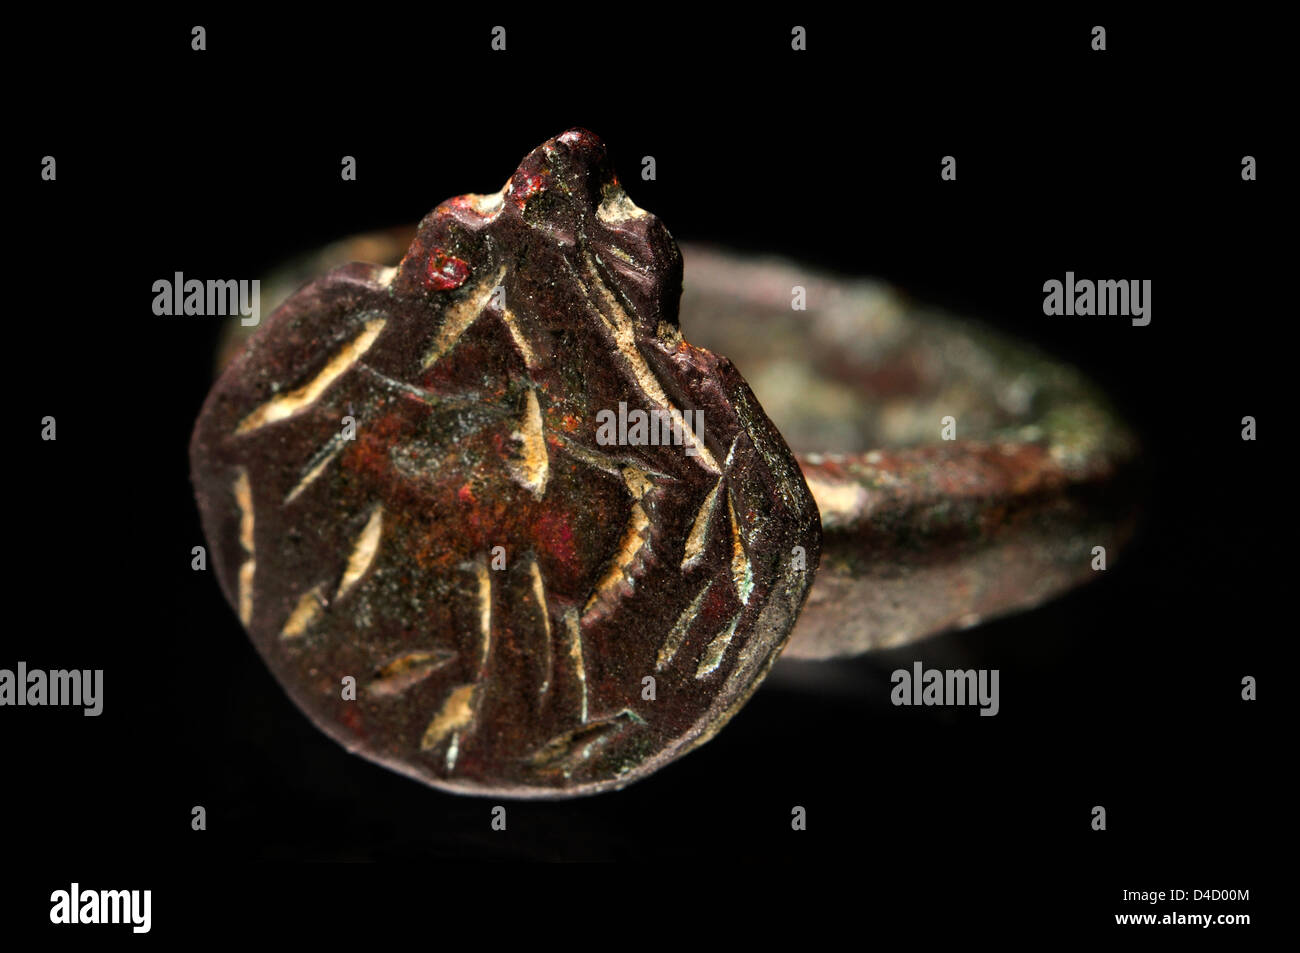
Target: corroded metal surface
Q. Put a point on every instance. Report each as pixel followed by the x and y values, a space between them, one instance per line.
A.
pixel 922 534
pixel 473 377
pixel 475 415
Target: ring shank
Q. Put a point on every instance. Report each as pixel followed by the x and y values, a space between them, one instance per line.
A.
pixel 921 534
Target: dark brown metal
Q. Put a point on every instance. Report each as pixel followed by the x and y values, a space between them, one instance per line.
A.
pixel 626 565
pixel 404 482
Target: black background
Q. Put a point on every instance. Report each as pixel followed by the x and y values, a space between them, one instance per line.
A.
pixel 1122 164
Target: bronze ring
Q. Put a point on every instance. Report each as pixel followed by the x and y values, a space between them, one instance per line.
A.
pixel 405 482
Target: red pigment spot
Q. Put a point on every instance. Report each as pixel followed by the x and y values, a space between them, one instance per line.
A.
pixel 555 533
pixel 445 271
pixel 532 184
pixel 368 456
pixel 466 495
pixel 569 423
pixel 465 203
